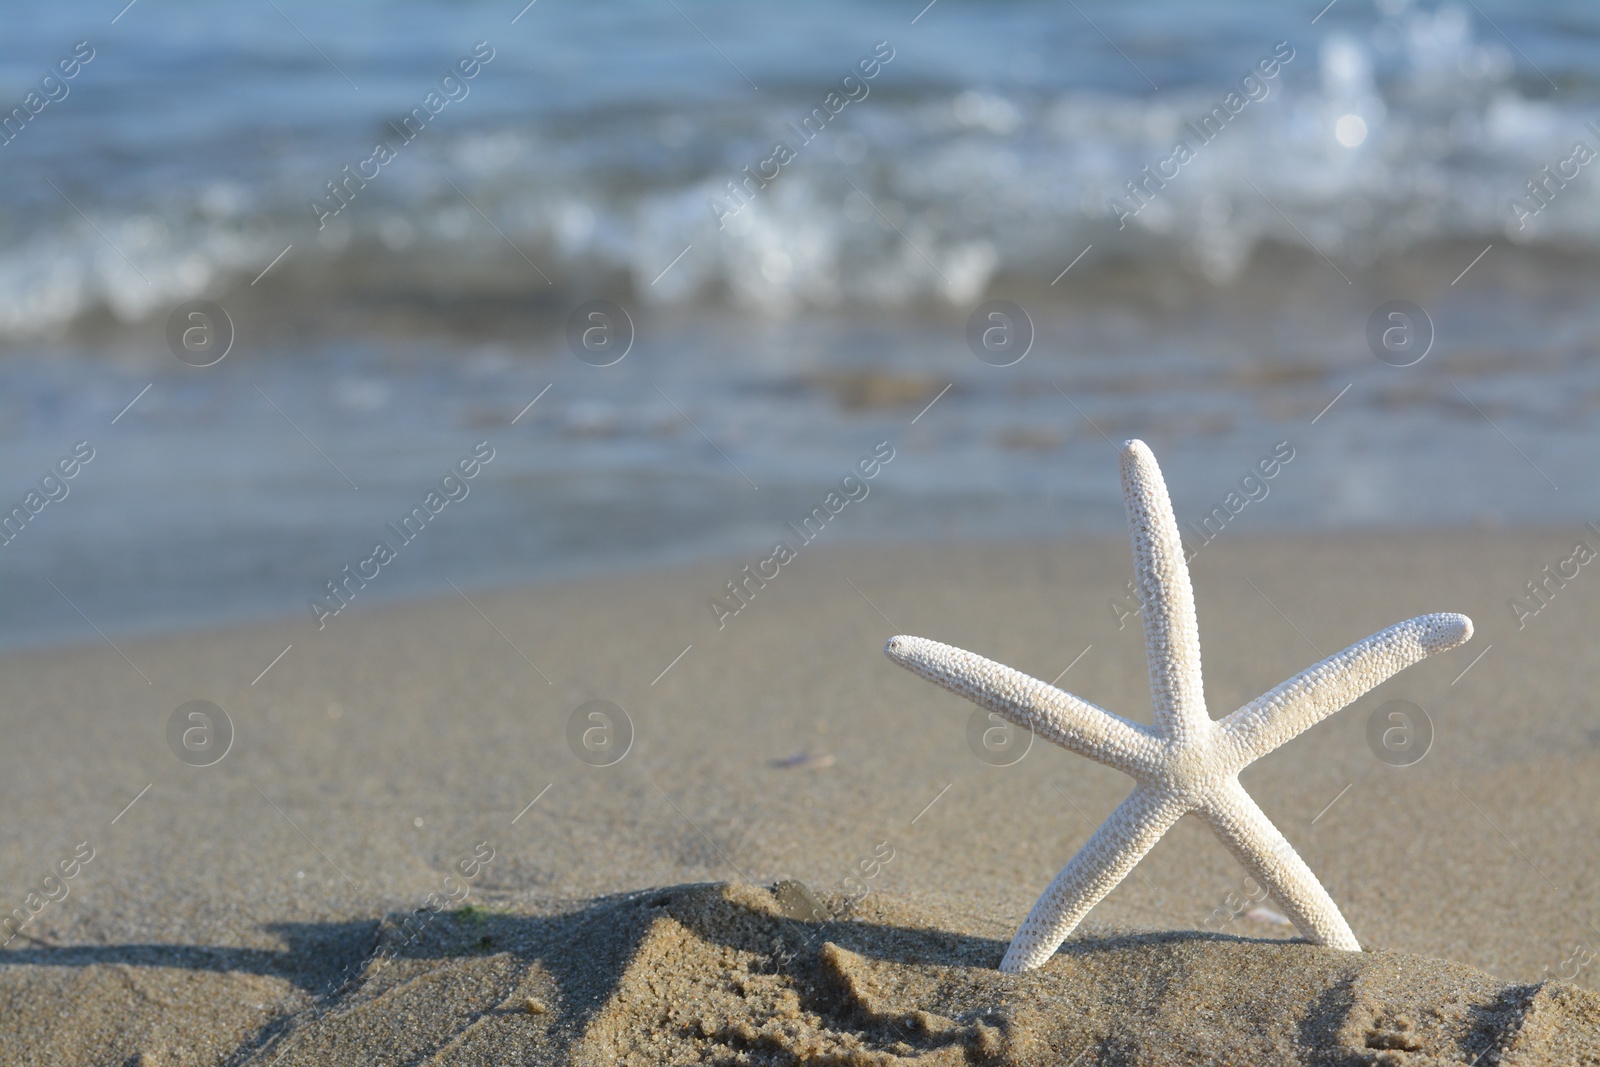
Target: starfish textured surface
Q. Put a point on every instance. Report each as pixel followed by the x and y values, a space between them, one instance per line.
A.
pixel 1187 762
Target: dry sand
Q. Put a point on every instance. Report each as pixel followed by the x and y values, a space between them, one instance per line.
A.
pixel 264 909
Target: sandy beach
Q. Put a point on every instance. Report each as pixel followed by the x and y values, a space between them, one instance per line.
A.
pixel 401 858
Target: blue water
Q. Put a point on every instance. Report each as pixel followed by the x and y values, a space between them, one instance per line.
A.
pixel 778 340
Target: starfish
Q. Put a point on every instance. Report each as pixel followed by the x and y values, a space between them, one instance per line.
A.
pixel 1187 762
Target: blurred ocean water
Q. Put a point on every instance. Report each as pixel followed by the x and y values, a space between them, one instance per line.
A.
pixel 995 138
pixel 399 243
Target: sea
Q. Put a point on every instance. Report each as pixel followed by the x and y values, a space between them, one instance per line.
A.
pixel 679 265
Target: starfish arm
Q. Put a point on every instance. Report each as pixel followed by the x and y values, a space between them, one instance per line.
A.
pixel 1166 597
pixel 1096 869
pixel 1052 714
pixel 1317 692
pixel 1272 861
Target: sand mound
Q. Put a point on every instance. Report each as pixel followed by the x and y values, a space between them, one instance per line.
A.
pixel 737 974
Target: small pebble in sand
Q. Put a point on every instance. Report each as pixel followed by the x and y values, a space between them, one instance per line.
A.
pixel 536 1006
pixel 804 761
pixel 1263 914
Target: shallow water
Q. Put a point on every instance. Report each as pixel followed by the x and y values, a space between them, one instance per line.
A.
pixel 776 343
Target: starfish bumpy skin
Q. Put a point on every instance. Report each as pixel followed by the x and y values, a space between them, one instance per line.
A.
pixel 1187 762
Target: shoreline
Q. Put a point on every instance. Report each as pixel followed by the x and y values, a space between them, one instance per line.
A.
pixel 731 561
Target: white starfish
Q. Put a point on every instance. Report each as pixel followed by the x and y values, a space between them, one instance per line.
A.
pixel 1187 762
